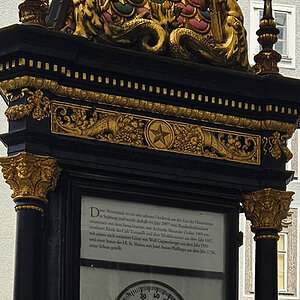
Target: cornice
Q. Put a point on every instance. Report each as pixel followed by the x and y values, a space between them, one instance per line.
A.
pixel 8 86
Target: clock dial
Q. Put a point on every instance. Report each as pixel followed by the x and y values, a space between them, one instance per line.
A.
pixel 149 290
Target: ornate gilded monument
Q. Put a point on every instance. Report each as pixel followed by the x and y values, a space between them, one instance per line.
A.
pixel 138 132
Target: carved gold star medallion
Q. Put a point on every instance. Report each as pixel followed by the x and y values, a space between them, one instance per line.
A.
pixel 159 134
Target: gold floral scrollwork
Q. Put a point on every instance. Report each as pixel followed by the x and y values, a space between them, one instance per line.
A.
pixel 129 130
pixel 30 176
pixel 267 208
pixel 214 143
pixel 140 131
pixel 276 145
pixel 37 105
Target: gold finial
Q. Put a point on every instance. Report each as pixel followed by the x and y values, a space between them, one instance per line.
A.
pixel 267 208
pixel 30 176
pixel 34 12
pixel 267 59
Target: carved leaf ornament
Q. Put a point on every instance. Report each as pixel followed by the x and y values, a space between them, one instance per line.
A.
pixel 30 176
pixel 266 209
pixel 133 130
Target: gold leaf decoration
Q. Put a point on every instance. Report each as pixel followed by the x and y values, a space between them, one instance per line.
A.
pixel 37 105
pixel 209 32
pixel 140 131
pixel 142 105
pixel 276 145
pixel 267 208
pixel 30 176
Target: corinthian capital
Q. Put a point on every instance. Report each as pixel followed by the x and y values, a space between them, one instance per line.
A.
pixel 30 176
pixel 267 208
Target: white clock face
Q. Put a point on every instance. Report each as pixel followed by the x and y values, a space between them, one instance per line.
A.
pixel 149 290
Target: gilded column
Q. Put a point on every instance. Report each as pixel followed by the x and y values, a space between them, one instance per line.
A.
pixel 30 177
pixel 34 12
pixel 266 209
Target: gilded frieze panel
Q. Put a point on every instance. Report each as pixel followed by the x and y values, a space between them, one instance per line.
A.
pixel 158 134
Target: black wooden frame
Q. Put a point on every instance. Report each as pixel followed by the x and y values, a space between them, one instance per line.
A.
pixel 67 204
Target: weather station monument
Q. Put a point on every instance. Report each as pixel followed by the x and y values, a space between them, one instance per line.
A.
pixel 138 133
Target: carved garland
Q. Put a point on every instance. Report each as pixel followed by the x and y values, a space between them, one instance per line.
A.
pixel 38 106
pixel 133 130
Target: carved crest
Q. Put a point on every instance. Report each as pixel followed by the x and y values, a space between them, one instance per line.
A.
pixel 207 31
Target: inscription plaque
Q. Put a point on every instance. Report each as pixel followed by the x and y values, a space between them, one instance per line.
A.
pixel 138 233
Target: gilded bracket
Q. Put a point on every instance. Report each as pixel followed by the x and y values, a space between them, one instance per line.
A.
pixel 37 105
pixel 267 208
pixel 30 176
pixel 276 145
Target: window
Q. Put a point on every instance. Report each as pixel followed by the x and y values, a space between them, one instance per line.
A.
pixel 284 16
pixel 282 262
pixel 281 22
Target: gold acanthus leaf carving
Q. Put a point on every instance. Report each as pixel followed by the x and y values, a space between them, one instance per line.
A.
pixel 142 105
pixel 37 105
pixel 276 145
pixel 30 176
pixel 267 208
pixel 139 131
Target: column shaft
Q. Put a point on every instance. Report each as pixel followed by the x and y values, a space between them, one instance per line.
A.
pixel 28 257
pixel 266 270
